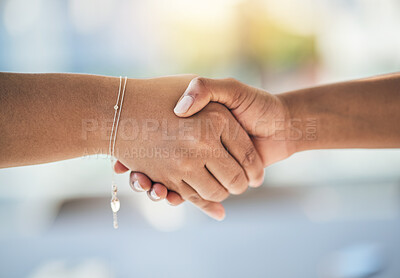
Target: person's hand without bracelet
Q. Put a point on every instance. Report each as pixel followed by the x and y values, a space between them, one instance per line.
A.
pixel 355 114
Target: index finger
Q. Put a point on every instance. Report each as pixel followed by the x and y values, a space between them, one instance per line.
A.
pixel 238 143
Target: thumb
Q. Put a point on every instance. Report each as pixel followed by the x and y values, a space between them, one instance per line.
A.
pixel 203 90
pixel 120 168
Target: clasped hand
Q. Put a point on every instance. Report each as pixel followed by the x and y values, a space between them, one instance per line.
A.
pixel 200 157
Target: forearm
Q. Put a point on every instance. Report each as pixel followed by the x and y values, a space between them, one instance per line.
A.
pixel 43 116
pixel 357 114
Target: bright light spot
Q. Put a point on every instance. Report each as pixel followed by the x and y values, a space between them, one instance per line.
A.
pixel 21 16
pixel 88 15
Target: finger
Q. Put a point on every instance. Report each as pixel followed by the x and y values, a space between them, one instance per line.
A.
pixel 203 90
pixel 174 198
pixel 240 146
pixel 207 186
pixel 157 192
pixel 139 182
pixel 120 168
pixel 212 209
pixel 227 171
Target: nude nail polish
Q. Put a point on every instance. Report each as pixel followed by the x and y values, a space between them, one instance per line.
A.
pixel 137 186
pixel 154 195
pixel 184 105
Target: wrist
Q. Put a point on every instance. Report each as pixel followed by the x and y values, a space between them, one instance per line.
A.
pixel 96 128
pixel 300 123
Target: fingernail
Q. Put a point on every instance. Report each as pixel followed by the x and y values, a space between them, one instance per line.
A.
pixel 183 105
pixel 137 186
pixel 154 195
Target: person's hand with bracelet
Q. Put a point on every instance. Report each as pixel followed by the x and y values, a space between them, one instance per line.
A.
pixel 49 117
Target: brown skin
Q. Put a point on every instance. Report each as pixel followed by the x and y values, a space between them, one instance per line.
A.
pixel 355 114
pixel 50 117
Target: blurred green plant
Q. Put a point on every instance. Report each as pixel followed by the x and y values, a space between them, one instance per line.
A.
pixel 245 35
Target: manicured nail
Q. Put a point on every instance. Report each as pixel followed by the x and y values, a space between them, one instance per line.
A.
pixel 183 105
pixel 137 186
pixel 154 195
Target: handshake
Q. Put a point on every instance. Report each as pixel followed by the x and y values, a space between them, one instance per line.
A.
pixel 212 141
pixel 215 142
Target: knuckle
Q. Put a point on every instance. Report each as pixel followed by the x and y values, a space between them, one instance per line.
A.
pixel 199 86
pixel 218 195
pixel 232 80
pixel 238 184
pixel 235 178
pixel 236 92
pixel 201 82
pixel 250 156
pixel 194 198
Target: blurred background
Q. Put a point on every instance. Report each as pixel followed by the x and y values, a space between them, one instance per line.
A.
pixel 319 214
